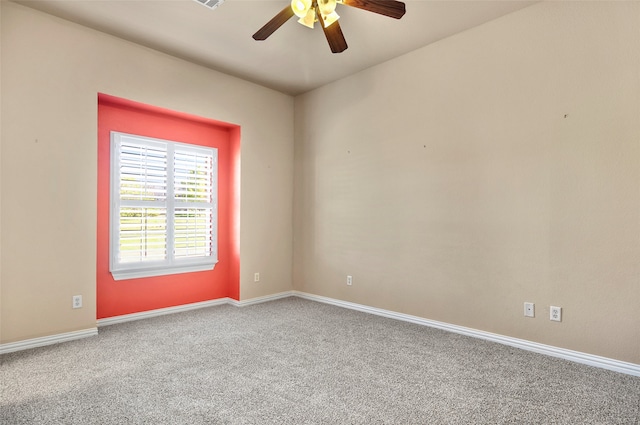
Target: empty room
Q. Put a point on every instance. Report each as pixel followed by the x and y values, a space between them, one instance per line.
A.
pixel 319 212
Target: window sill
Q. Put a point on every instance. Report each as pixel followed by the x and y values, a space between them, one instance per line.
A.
pixel 140 273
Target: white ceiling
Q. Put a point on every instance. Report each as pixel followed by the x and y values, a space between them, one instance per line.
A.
pixel 295 59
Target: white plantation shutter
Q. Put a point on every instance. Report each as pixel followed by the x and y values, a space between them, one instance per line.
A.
pixel 143 235
pixel 193 232
pixel 164 207
pixel 193 196
pixel 143 171
pixel 193 176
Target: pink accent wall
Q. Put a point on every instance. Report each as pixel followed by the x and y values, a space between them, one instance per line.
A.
pixel 115 298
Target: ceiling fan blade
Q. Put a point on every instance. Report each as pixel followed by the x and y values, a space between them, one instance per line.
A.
pixel 391 8
pixel 334 35
pixel 275 23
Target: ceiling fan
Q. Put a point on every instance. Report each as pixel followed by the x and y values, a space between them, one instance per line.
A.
pixel 324 11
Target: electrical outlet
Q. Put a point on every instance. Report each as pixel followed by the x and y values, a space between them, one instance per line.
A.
pixel 555 314
pixel 76 301
pixel 256 277
pixel 529 309
pixel 349 280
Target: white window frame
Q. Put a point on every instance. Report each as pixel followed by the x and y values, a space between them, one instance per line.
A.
pixel 170 265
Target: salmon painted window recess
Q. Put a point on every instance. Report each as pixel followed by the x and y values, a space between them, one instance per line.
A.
pixel 157 146
pixel 163 216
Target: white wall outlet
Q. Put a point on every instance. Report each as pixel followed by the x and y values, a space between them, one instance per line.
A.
pixel 529 309
pixel 256 277
pixel 76 301
pixel 555 314
pixel 349 280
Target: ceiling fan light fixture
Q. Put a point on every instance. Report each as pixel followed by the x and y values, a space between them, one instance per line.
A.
pixel 330 18
pixel 300 7
pixel 308 19
pixel 327 7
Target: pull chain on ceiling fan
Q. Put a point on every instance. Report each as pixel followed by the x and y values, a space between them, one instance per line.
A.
pixel 324 11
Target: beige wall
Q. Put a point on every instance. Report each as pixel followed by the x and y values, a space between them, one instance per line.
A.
pixel 495 167
pixel 52 71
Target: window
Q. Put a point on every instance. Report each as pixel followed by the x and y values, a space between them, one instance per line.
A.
pixel 163 217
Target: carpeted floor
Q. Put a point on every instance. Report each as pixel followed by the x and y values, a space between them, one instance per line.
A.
pixel 294 361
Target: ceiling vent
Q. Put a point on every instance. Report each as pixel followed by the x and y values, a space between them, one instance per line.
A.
pixel 211 4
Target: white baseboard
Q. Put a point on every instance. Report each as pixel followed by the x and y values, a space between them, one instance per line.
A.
pixel 575 356
pixel 161 312
pixel 258 300
pixel 47 340
pixel 193 306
